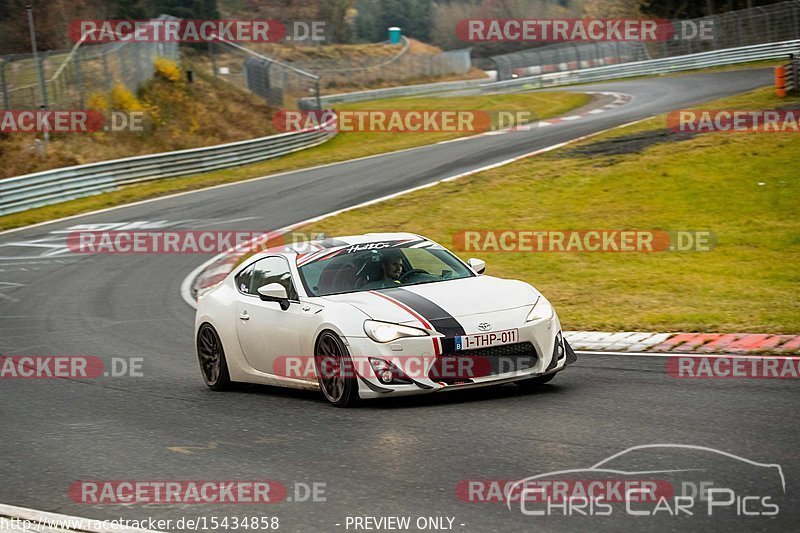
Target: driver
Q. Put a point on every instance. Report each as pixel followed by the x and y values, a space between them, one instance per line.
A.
pixel 392 266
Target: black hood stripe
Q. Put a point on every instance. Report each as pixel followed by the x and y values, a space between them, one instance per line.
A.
pixel 441 320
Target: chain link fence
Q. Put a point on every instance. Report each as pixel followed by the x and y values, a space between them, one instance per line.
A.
pixel 301 82
pixel 405 65
pixel 281 84
pixel 71 76
pixel 758 25
pixel 567 56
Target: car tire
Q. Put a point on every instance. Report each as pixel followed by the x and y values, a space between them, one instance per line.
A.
pixel 335 372
pixel 211 356
pixel 533 383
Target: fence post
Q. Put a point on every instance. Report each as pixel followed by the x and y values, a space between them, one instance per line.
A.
pixel 137 67
pixel 38 61
pixel 578 55
pixel 212 58
pixel 106 73
pixel 766 23
pixel 715 34
pixel 79 76
pixel 741 40
pixel 3 83
pixel 795 11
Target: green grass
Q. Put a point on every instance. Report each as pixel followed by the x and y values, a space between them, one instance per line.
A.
pixel 748 283
pixel 341 148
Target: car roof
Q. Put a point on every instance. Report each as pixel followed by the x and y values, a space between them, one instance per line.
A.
pixel 303 247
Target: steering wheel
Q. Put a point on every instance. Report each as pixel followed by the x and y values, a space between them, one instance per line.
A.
pixel 403 276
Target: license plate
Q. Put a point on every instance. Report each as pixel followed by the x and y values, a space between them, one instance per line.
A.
pixel 487 340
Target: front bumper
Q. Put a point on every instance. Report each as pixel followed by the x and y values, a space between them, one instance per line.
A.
pixel 417 357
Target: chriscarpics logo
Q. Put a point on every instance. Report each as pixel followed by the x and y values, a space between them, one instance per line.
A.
pixel 668 481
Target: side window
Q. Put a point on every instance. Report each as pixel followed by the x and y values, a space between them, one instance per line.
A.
pixel 272 270
pixel 243 280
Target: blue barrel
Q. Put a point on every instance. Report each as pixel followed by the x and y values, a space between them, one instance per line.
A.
pixel 394 35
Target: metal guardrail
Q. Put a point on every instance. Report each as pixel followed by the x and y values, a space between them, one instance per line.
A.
pixel 665 65
pixel 394 92
pixel 53 186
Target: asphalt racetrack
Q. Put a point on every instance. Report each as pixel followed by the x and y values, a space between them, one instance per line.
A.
pixel 403 457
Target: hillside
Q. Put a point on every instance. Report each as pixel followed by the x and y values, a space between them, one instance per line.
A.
pixel 178 115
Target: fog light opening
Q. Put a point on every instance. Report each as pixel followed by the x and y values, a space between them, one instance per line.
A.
pixel 387 373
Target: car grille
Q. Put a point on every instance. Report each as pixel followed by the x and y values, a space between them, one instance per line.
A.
pixel 463 366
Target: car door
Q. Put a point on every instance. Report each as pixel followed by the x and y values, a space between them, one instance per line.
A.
pixel 266 332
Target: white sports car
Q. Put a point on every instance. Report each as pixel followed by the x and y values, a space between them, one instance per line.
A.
pixel 372 316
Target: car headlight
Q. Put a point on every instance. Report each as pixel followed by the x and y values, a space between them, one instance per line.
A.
pixel 541 310
pixel 387 332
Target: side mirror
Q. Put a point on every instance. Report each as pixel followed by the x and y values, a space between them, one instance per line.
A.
pixel 478 265
pixel 274 292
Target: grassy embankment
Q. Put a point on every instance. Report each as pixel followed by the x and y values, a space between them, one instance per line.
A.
pixel 743 187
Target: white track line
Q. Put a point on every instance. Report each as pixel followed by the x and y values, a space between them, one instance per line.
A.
pixel 43 521
pixel 186 285
pixel 708 355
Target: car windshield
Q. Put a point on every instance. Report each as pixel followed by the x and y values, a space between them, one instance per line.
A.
pixel 378 265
